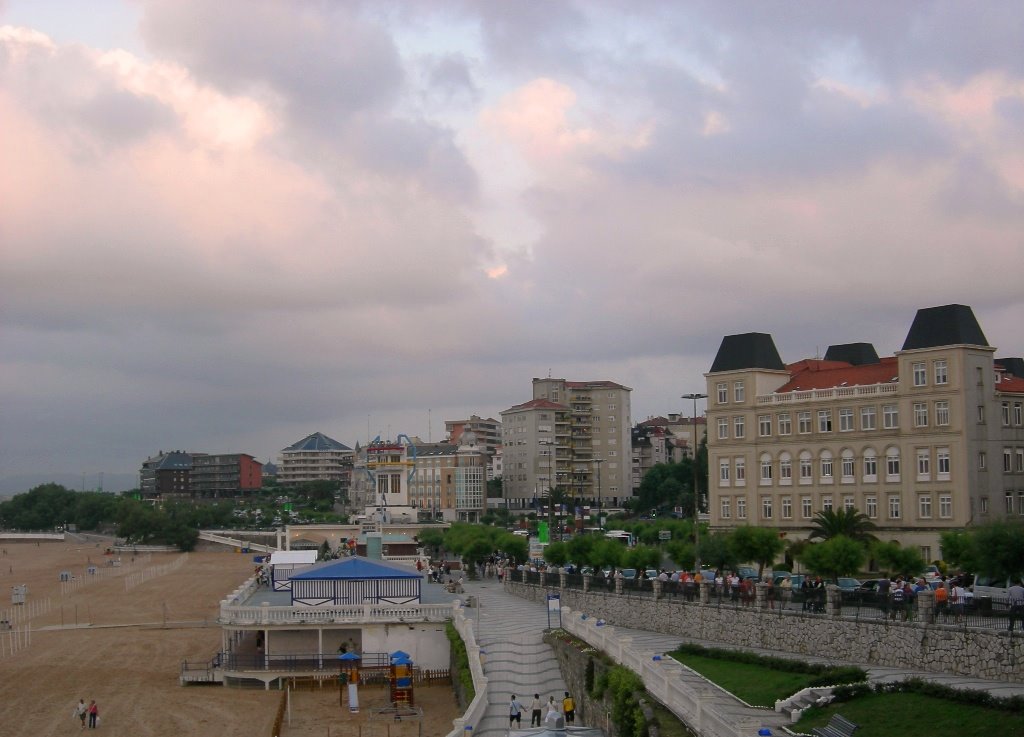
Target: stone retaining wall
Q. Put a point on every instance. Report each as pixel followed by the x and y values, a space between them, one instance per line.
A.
pixel 911 645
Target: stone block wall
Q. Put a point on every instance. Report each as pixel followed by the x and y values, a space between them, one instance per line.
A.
pixel 992 655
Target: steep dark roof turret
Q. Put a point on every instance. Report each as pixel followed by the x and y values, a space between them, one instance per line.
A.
pixel 855 354
pixel 1013 366
pixel 747 351
pixel 317 442
pixel 945 325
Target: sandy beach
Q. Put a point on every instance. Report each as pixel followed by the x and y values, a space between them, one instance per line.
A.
pixel 119 636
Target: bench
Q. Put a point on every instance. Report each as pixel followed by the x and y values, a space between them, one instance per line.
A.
pixel 838 726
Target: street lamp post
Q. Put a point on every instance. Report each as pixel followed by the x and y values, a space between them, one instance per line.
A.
pixel 599 461
pixel 696 493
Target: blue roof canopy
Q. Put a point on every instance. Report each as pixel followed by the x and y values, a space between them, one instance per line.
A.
pixel 355 569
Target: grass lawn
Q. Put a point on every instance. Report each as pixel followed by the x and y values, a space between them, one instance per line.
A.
pixel 916 715
pixel 758 685
pixel 668 723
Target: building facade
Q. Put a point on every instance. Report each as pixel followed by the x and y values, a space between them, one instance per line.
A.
pixel 557 439
pixel 663 440
pixel 166 476
pixel 225 475
pixel 928 440
pixel 487 432
pixel 316 458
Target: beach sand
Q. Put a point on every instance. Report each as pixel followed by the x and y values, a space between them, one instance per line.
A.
pixel 124 648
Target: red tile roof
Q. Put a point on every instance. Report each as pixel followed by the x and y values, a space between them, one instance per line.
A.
pixel 1011 384
pixel 815 374
pixel 538 404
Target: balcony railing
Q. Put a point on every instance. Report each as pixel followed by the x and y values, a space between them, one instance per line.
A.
pixel 839 392
pixel 366 613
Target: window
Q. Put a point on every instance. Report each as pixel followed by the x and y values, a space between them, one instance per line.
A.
pixel 845 419
pixel 867 418
pixel 941 372
pixel 982 460
pixel 942 413
pixel 805 507
pixel 920 375
pixel 1018 410
pixel 946 505
pixel 1019 467
pixel 892 464
pixel 738 391
pixel 723 428
pixel 924 506
pixel 723 392
pixel 741 472
pixel 726 507
pixel 737 426
pixel 871 505
pixel 723 472
pixel 764 425
pixel 826 467
pixel 785 469
pixel 806 469
pixel 920 414
pixel 924 464
pixel 803 422
pixel 1006 413
pixel 785 424
pixel 1009 502
pixel 741 507
pixel 1020 502
pixel 870 466
pixel 787 507
pixel 766 507
pixel 983 503
pixel 824 420
pixel 894 506
pixel 847 466
pixel 1007 460
pixel 766 470
pixel 848 503
pixel 981 414
pixel 890 417
pixel 942 464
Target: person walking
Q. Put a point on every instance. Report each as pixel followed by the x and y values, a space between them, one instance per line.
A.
pixel 94 714
pixel 536 710
pixel 569 707
pixel 81 711
pixel 1016 596
pixel 515 712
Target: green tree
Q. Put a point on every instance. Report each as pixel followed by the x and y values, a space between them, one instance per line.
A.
pixel 513 546
pixel 958 549
pixel 606 554
pixel 837 556
pixel 556 554
pixel 682 553
pixel 431 538
pixel 716 550
pixel 999 549
pixel 849 523
pixel 897 560
pixel 760 545
pixel 642 557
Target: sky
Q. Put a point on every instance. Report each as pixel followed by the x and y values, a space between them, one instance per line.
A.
pixel 224 226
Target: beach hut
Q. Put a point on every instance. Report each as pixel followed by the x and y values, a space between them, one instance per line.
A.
pixel 286 563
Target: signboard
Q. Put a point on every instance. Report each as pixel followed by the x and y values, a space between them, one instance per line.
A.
pixel 543 534
pixel 664 534
pixel 554 607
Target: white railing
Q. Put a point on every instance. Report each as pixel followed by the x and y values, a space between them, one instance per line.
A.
pixel 839 392
pixel 478 706
pixel 32 535
pixel 326 614
pixel 236 542
pixel 700 706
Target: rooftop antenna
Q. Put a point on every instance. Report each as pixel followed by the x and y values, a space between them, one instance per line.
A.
pixel 430 427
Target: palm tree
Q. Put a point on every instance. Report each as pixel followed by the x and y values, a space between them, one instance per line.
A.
pixel 855 525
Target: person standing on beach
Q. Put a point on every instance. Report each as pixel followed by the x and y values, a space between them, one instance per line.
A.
pixel 81 710
pixel 94 714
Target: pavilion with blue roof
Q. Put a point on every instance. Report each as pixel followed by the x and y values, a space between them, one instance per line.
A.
pixel 355 581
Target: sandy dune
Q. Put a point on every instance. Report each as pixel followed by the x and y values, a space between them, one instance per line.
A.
pixel 128 645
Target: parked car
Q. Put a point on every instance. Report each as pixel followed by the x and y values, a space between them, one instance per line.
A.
pixel 848 584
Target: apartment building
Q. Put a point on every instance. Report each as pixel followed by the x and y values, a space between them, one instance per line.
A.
pixel 557 438
pixel 219 475
pixel 166 476
pixel 663 440
pixel 316 458
pixel 487 432
pixel 927 440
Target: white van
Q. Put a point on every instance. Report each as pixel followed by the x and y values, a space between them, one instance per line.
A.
pixel 997 590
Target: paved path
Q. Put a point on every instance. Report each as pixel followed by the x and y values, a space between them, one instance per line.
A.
pixel 518 661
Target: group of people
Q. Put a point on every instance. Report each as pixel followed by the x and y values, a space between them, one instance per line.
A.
pixel 87 713
pixel 551 711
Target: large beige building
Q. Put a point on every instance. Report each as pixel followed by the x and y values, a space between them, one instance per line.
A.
pixel 928 440
pixel 560 437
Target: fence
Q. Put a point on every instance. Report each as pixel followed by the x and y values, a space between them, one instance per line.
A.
pixel 475 711
pixel 134 579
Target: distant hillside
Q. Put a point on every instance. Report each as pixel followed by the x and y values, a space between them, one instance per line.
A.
pixel 113 482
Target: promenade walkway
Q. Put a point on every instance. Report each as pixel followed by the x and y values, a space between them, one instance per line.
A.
pixel 518 661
